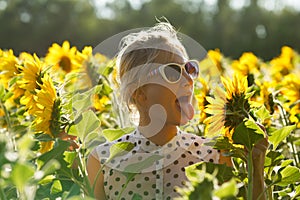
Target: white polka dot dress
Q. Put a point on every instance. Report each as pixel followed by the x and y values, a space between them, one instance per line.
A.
pixel 150 170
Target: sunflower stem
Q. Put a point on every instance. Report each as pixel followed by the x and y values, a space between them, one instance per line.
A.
pixel 250 175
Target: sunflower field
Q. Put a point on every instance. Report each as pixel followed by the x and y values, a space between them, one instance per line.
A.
pixel 55 109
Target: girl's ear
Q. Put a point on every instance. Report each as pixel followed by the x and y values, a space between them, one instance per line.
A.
pixel 139 97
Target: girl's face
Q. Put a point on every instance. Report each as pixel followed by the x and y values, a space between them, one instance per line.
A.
pixel 172 101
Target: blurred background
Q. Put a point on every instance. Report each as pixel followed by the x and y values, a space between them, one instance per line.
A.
pixel 233 26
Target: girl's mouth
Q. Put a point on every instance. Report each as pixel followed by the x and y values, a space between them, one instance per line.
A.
pixel 184 106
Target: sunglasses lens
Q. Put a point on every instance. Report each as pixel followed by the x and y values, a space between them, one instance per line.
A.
pixel 192 68
pixel 172 72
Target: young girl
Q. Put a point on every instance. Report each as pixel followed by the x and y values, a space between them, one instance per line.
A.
pixel 157 79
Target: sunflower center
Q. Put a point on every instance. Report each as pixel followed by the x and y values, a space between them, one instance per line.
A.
pixel 65 64
pixel 236 109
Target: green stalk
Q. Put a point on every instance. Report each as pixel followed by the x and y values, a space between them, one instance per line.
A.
pixel 250 176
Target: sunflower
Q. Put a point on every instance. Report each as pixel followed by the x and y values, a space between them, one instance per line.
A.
pixel 63 58
pixel 30 77
pixel 201 98
pixel 8 67
pixel 247 65
pixel 291 91
pixel 284 64
pixel 100 103
pixel 46 103
pixel 229 107
pixel 216 57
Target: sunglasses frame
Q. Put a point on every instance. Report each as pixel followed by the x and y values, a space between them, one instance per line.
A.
pixel 160 69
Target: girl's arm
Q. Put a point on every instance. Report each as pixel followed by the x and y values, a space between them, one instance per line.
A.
pixel 258 158
pixel 93 167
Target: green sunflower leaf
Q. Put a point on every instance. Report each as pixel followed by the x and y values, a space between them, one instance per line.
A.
pixel 247 133
pixel 279 135
pixel 113 134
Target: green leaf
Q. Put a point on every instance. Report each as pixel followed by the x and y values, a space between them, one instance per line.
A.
pixel 227 189
pixel 56 187
pixel 224 173
pixel 138 167
pixel 74 190
pixel 279 135
pixel 2 91
pixel 289 175
pixel 69 157
pixel 137 197
pixel 119 149
pixel 113 134
pixel 262 113
pixel 297 192
pixel 82 101
pixel 87 125
pixel 21 174
pixel 247 133
pixel 222 143
pixel 56 152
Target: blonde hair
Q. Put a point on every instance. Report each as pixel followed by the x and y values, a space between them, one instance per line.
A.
pixel 138 50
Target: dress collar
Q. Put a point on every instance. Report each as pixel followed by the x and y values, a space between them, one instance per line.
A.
pixel 149 147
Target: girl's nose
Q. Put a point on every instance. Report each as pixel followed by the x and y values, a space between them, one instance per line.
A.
pixel 186 80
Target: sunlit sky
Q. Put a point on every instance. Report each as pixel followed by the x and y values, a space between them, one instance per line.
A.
pixel 274 5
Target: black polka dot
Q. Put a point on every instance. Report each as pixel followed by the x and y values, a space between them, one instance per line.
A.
pixel 169 145
pixel 146 193
pixel 139 142
pixel 110 187
pixel 133 151
pixel 157 176
pixel 123 198
pixel 183 169
pixel 119 140
pixel 202 137
pixel 183 155
pixel 127 137
pixel 147 143
pixel 111 172
pixel 154 172
pixel 146 178
pixel 140 158
pixel 116 193
pixel 157 191
pixel 138 185
pixel 209 151
pixel 193 138
pixel 196 144
pixel 153 186
pixel 103 152
pixel 211 160
pixel 168 184
pixel 177 143
pixel 183 138
pixel 175 176
pixel 117 179
pixel 130 192
pixel 191 162
pixel 105 183
pixel 168 156
pixel 169 198
pixel 190 152
pixel 168 170
pixel 198 152
pixel 219 150
pixel 187 144
pixel 175 162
